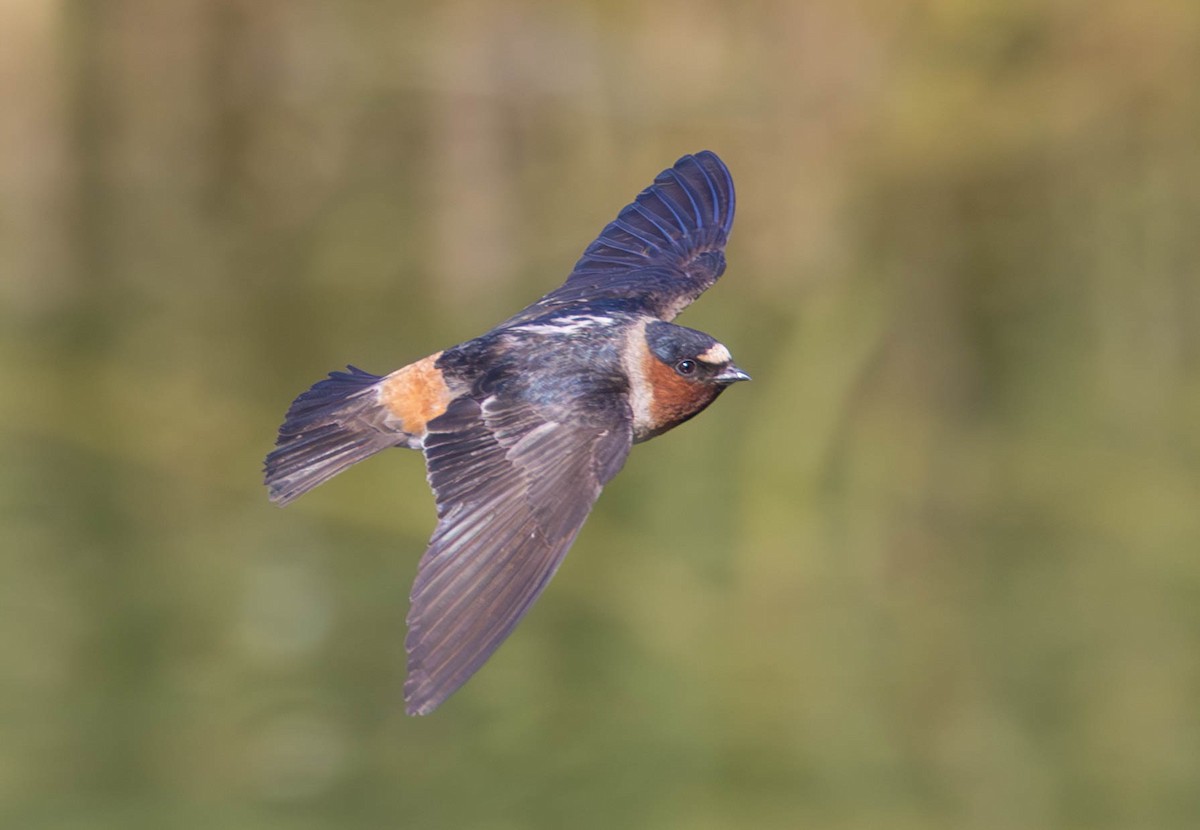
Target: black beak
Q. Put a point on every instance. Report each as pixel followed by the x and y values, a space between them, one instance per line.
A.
pixel 730 374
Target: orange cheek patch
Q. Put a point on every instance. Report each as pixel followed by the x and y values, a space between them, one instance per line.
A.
pixel 674 398
pixel 416 394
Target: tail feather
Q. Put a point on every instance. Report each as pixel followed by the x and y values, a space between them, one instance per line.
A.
pixel 335 424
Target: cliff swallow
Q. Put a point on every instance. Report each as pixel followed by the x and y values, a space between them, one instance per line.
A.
pixel 522 426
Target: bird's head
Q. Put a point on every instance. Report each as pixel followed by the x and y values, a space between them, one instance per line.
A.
pixel 676 373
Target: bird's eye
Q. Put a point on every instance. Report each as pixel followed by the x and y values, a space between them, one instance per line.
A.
pixel 685 367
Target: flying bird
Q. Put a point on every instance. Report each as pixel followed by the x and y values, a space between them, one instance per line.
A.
pixel 521 427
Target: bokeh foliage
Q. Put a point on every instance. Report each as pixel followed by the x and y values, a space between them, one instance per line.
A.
pixel 936 567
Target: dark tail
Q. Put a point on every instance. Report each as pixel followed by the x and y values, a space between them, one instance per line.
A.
pixel 337 423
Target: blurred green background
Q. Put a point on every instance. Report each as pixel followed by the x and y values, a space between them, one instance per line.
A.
pixel 936 567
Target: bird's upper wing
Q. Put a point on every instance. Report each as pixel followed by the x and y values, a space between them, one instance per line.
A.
pixel 513 488
pixel 662 251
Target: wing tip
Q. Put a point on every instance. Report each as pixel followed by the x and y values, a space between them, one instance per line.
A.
pixel 704 184
pixel 720 182
pixel 420 701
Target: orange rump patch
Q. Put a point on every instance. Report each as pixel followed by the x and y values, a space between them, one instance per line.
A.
pixel 416 394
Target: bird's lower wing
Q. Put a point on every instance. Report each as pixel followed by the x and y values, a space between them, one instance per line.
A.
pixel 513 490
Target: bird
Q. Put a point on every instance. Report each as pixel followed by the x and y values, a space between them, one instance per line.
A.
pixel 521 427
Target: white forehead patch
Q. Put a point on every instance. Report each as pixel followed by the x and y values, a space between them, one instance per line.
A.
pixel 716 355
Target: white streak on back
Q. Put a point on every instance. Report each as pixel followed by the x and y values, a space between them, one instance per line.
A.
pixel 571 324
